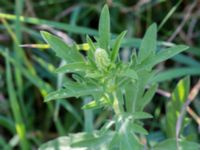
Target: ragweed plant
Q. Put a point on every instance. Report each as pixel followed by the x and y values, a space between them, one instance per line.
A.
pixel 124 87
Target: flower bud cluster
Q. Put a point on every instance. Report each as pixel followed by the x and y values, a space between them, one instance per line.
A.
pixel 102 59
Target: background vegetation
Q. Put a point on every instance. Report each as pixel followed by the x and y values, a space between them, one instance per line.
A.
pixel 23 84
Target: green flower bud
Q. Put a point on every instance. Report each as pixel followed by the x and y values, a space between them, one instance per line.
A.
pixel 101 59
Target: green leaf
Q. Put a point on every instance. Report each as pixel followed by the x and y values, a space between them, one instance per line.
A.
pixel 141 115
pixel 61 143
pixel 148 44
pixel 125 136
pixel 134 92
pixel 104 28
pixel 94 142
pixel 168 53
pixel 75 90
pixel 7 123
pixel 175 73
pixel 114 144
pixel 131 91
pixel 130 73
pixel 170 144
pixel 138 129
pixel 65 142
pixel 62 50
pixel 127 141
pixel 186 60
pixel 147 97
pixel 181 92
pixel 16 107
pixel 91 52
pixel 107 125
pixel 73 67
pixel 91 44
pixel 116 47
pixel 34 79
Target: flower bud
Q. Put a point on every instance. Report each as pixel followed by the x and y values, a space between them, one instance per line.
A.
pixel 101 59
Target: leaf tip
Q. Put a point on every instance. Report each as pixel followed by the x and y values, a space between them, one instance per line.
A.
pixel 105 7
pixel 43 33
pixel 47 98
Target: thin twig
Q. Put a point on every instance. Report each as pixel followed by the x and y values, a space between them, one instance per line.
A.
pixel 194 115
pixel 189 110
pixel 193 23
pixel 163 93
pixel 67 11
pixel 186 38
pixel 30 9
pixel 185 19
pixel 191 27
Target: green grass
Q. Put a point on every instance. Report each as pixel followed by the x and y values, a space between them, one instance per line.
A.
pixel 15 107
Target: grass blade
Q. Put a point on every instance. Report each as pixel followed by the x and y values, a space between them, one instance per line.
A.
pixel 7 123
pixel 19 124
pixel 169 14
pixel 62 26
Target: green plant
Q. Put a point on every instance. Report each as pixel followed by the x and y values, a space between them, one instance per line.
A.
pixel 124 87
